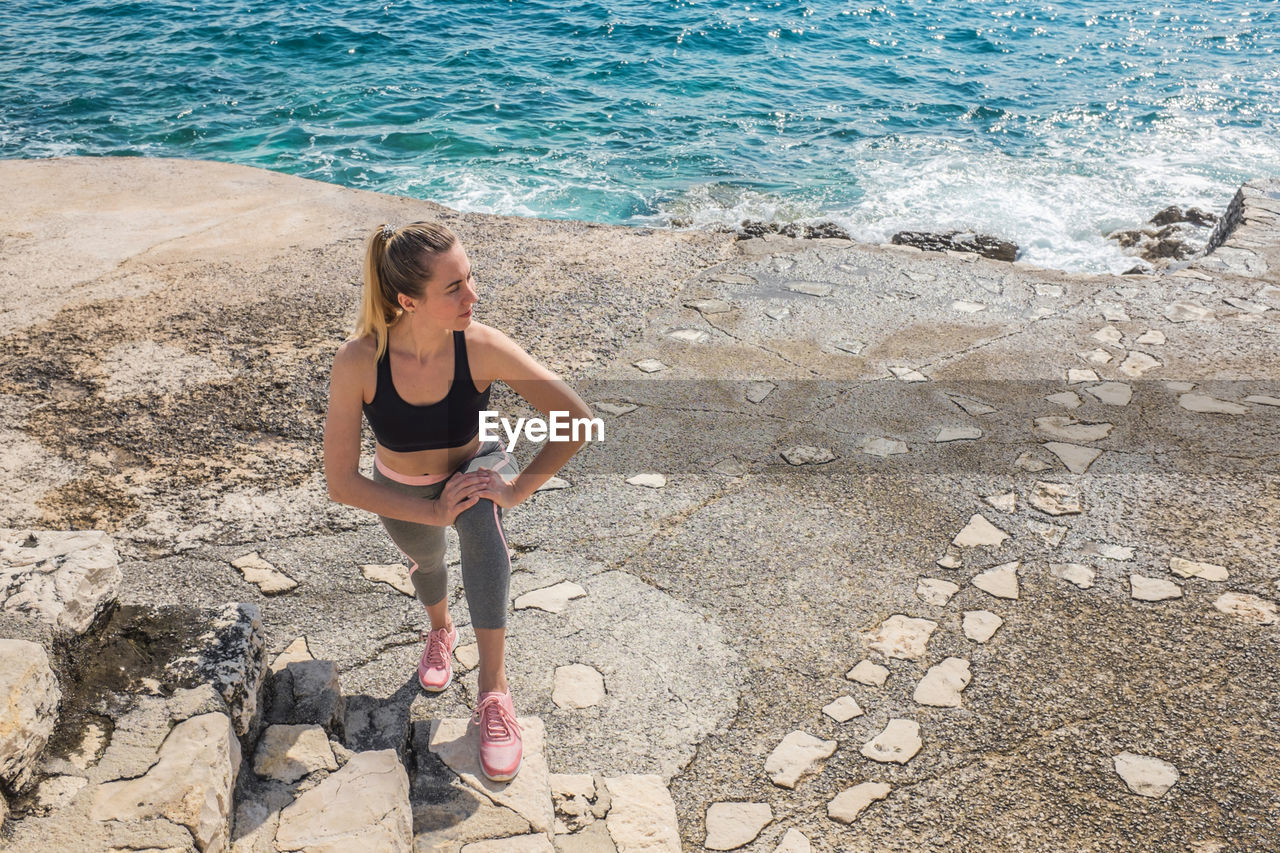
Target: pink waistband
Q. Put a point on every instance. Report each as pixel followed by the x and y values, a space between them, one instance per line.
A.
pixel 420 480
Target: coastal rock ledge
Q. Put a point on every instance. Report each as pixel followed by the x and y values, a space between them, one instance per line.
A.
pixel 959 241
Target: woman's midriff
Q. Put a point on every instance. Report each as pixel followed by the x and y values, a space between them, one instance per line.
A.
pixel 433 464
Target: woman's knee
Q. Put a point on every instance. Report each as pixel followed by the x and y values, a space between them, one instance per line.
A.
pixel 481 515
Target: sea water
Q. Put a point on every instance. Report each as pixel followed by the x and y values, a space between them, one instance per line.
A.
pixel 1049 124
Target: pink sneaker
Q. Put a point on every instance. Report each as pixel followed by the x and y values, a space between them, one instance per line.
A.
pixel 501 749
pixel 435 670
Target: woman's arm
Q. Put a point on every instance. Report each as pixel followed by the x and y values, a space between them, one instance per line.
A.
pixel 342 455
pixel 547 393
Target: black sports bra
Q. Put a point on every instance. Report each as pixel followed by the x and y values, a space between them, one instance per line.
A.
pixel 451 422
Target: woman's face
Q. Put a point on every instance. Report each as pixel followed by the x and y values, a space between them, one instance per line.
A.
pixel 451 292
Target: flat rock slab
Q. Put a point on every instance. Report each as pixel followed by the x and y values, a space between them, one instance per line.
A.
pixel 393 575
pixel 1055 498
pixel 1066 399
pixel 880 446
pixel 902 636
pixel 805 454
pixel 733 825
pixel 1000 581
pixel 64 578
pixel 842 709
pixel 897 743
pixel 642 816
pixel 577 686
pixel 1076 573
pixel 1144 588
pixel 364 806
pixel 980 625
pixel 1210 405
pixel 457 742
pixel 942 684
pixel 649 365
pixel 263 575
pixel 868 673
pixel 935 590
pixel 1112 393
pixel 1138 363
pixel 794 841
pixel 553 599
pixel 947 434
pixel 979 532
pixel 1006 502
pixel 798 754
pixel 1184 568
pixel 1249 608
pixel 1145 775
pixel 850 803
pixel 288 753
pixel 533 843
pixel 1077 459
pixel 1069 429
pixel 651 480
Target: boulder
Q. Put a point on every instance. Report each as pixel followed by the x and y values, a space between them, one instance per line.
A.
pixel 959 241
pixel 364 806
pixel 63 578
pixel 30 696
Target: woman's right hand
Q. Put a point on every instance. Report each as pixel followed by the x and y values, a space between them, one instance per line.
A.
pixel 460 494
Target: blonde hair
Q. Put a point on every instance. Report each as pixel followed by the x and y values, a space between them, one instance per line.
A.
pixel 397 260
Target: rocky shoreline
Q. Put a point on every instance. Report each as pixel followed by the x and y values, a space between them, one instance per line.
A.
pixel 859 568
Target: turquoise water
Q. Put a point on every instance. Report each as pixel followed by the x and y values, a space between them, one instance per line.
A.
pixel 1049 124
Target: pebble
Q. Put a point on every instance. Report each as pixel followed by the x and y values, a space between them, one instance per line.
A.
pixel 868 673
pixel 1193 569
pixel 1055 498
pixel 651 480
pixel 978 532
pixel 807 455
pixel 942 684
pixel 1144 588
pixel 1250 608
pixel 979 625
pixel 936 591
pixel 907 374
pixel 732 825
pixel 958 434
pixel 1112 393
pixel 757 391
pixel 1076 458
pixel 1007 502
pixel 393 575
pixel 850 803
pixel 1066 399
pixel 1138 363
pixel 552 599
pixel 577 686
pixel 262 574
pixel 1145 775
pixel 876 445
pixel 468 656
pixel 843 709
pixel 797 755
pixel 1211 405
pixel 1000 581
pixel 649 365
pixel 1076 573
pixel 901 636
pixel 898 743
pixel 1151 337
pixel 1076 375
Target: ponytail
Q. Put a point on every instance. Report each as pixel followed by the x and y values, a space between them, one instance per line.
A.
pixel 397 260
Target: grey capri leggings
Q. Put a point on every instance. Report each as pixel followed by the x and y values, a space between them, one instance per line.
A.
pixel 486 567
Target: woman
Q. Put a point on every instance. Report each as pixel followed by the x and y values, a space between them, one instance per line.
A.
pixel 420 370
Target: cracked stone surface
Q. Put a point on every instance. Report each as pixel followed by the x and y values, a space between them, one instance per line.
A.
pixel 65 578
pixel 980 625
pixel 901 636
pixel 366 804
pixel 552 599
pixel 942 684
pixel 850 803
pixel 643 816
pixel 1055 498
pixel 797 755
pixel 457 742
pixel 1000 581
pixel 734 825
pixel 898 743
pixel 868 673
pixel 1145 775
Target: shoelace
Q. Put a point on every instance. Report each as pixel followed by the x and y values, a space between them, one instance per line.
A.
pixel 495 720
pixel 437 643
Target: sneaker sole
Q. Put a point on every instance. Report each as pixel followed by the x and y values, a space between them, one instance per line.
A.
pixel 439 689
pixel 513 774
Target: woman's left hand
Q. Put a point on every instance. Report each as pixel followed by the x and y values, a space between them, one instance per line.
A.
pixel 497 489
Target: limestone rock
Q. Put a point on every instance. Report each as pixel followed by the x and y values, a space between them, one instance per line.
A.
pixel 578 801
pixel 690 336
pixel 1028 462
pixel 950 560
pixel 777 312
pixel 615 409
pixel 297 650
pixel 1055 498
pixel 1112 393
pixel 898 743
pixel 1000 581
pixel 797 755
pixel 468 656
pixel 1262 400
pixel 532 843
pixel 935 590
pixel 1250 608
pixel 907 374
pixel 794 841
pixel 757 391
pixel 393 575
pixel 643 815
pixel 810 288
pixel 552 599
pixel 1006 502
pixel 262 574
pixel 1069 429
pixel 980 625
pixel 288 753
pixel 1151 337
pixel 649 480
pixel 1137 364
pixel 850 803
pixel 1097 356
pixel 942 684
pixel 964 306
pixel 868 673
pixel 190 783
pixel 64 578
pixel 1076 375
pixel 843 709
pixel 233 658
pixel 1076 458
pixel 29 697
pixel 709 306
pixel 457 742
pixel 901 636
pixel 1109 335
pixel 1066 399
pixel 972 407
pixel 807 455
pixel 577 686
pixel 875 445
pixel 649 365
pixel 1145 775
pixel 1080 575
pixel 1152 589
pixel 1108 550
pixel 1205 403
pixel 1184 312
pixel 54 792
pixel 1052 534
pixel 365 805
pixel 733 825
pixel 307 692
pixel 957 434
pixel 1193 569
pixel 979 532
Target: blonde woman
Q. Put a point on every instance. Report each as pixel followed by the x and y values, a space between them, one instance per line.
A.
pixel 420 370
